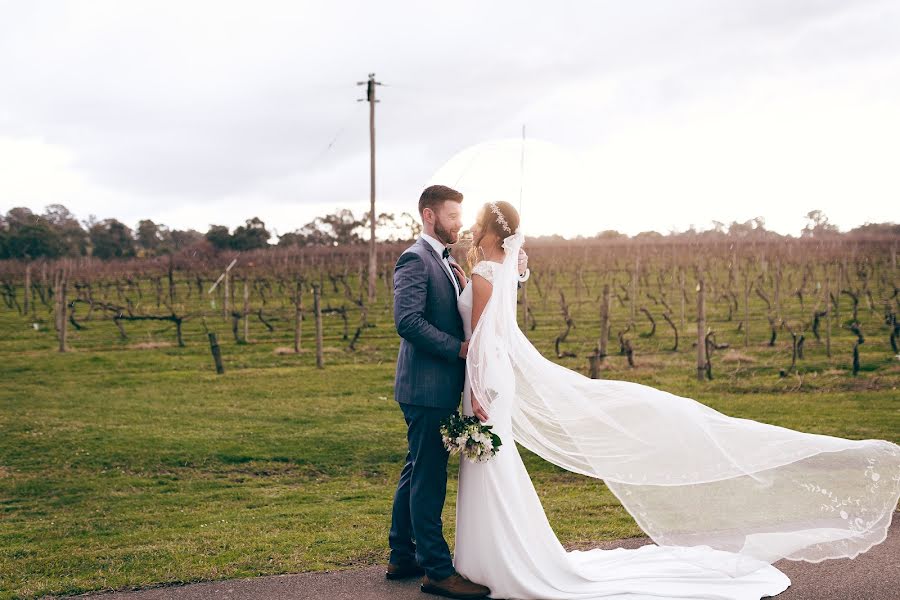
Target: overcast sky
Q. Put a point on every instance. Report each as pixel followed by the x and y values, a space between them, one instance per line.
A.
pixel 639 115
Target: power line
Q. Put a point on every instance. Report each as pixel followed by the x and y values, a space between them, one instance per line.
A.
pixel 334 139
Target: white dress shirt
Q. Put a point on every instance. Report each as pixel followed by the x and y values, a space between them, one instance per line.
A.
pixel 439 248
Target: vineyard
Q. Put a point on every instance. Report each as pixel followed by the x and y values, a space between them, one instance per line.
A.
pixel 204 210
pixel 128 460
pixel 736 309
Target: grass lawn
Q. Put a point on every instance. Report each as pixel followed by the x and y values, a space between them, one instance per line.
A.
pixel 123 465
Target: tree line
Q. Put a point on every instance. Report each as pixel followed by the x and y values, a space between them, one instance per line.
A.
pixel 56 233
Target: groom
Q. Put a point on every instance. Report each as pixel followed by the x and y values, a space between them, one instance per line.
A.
pixel 429 382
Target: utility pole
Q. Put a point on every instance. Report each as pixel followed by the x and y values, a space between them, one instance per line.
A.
pixel 373 256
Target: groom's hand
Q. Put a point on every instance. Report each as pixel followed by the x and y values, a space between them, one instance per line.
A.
pixel 464 349
pixel 523 261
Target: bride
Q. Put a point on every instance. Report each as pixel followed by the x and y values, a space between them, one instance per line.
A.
pixel 722 497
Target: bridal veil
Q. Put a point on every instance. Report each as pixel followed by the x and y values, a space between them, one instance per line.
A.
pixel 689 475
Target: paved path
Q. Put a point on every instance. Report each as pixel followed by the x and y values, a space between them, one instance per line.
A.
pixel 874 575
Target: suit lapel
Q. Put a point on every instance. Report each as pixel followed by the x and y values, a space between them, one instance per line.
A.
pixel 440 262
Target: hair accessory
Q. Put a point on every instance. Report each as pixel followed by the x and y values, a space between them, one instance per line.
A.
pixel 500 218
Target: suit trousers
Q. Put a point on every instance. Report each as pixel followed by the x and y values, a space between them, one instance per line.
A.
pixel 416 526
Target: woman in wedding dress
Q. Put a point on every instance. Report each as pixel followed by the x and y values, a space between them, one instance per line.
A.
pixel 722 497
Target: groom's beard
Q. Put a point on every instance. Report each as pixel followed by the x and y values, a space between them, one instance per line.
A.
pixel 443 235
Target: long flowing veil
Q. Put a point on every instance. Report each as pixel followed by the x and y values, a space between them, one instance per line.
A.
pixel 690 476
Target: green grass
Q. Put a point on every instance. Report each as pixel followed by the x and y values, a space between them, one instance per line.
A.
pixel 123 467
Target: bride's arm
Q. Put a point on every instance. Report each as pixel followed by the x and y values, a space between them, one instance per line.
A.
pixel 481 293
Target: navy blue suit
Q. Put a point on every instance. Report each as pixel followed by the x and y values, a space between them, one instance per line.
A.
pixel 428 385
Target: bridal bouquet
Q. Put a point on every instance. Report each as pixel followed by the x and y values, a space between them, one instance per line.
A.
pixel 467 435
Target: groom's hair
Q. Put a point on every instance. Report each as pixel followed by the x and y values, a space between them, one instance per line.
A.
pixel 435 195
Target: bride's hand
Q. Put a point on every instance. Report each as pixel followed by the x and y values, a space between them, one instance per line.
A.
pixel 478 409
pixel 523 261
pixel 462 275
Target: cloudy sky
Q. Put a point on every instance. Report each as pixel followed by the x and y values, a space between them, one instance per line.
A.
pixel 638 115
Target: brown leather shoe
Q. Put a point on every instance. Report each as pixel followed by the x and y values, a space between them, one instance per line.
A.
pixel 403 571
pixel 455 586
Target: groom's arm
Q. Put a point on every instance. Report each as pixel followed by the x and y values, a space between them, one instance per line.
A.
pixel 410 293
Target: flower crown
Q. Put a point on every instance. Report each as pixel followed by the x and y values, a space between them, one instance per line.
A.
pixel 501 220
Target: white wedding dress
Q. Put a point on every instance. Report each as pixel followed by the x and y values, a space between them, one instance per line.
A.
pixel 504 541
pixel 503 537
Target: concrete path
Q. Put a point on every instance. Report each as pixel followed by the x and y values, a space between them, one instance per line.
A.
pixel 874 575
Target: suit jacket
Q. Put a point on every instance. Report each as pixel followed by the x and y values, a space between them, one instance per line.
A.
pixel 429 370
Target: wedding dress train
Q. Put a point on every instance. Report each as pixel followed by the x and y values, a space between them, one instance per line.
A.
pixel 690 476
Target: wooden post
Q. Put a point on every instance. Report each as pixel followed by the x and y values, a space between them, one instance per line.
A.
pixel 525 307
pixel 45 299
pixel 298 316
pixel 594 365
pixel 595 359
pixel 373 251
pixel 27 299
pixel 701 330
pixel 216 353
pixel 225 300
pixel 837 291
pixel 178 336
pixel 859 340
pixel 845 272
pixel 56 279
pixel 61 308
pixel 634 282
pixel 317 308
pixel 777 289
pixel 55 302
pixel 171 275
pixel 683 295
pixel 389 290
pixel 246 312
pixel 674 280
pixel 827 313
pixel 577 282
pixel 747 306
pixel 604 323
pixel 732 268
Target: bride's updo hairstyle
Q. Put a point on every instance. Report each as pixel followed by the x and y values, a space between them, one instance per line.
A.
pixel 503 224
pixel 500 218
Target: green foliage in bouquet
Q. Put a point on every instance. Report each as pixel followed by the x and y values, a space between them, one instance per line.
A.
pixel 468 436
